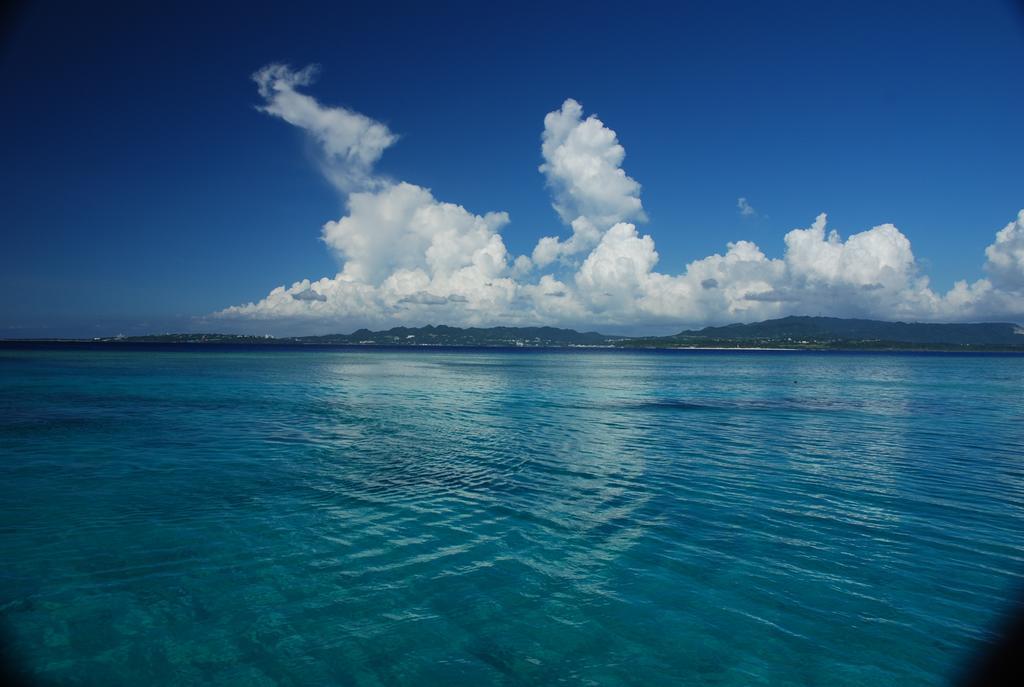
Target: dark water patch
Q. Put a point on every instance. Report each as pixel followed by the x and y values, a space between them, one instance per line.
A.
pixel 676 405
pixel 780 404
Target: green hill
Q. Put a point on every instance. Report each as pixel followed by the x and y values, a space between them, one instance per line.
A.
pixel 443 335
pixel 786 332
pixel 833 329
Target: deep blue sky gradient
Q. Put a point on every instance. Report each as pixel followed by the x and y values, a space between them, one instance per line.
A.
pixel 141 188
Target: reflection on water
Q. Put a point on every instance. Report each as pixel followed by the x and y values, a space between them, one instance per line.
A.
pixel 483 517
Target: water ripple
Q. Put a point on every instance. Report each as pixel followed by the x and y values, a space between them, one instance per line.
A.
pixel 505 518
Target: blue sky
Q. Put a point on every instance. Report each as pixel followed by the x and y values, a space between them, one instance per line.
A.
pixel 144 191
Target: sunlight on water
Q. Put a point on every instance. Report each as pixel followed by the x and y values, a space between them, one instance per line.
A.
pixel 487 517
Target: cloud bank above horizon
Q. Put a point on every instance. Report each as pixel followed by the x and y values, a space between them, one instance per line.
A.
pixel 408 258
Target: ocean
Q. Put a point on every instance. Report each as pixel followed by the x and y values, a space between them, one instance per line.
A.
pixel 257 516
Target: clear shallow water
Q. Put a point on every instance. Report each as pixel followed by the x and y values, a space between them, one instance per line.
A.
pixel 488 517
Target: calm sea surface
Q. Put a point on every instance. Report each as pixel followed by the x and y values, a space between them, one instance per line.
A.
pixel 477 517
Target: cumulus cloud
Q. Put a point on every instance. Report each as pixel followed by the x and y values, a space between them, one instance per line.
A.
pixel 583 168
pixel 408 258
pixel 401 227
pixel 1006 256
pixel 350 142
pixel 745 208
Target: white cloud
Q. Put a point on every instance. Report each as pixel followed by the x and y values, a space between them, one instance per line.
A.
pixel 1006 256
pixel 583 168
pixel 402 249
pixel 615 276
pixel 351 143
pixel 879 256
pixel 411 259
pixel 402 227
pixel 745 208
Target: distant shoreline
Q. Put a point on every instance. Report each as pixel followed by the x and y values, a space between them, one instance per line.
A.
pixel 793 333
pixel 208 346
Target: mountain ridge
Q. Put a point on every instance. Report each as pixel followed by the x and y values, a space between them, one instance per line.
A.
pixel 807 332
pixel 805 327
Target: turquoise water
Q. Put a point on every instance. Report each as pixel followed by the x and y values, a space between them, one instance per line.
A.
pixel 486 517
